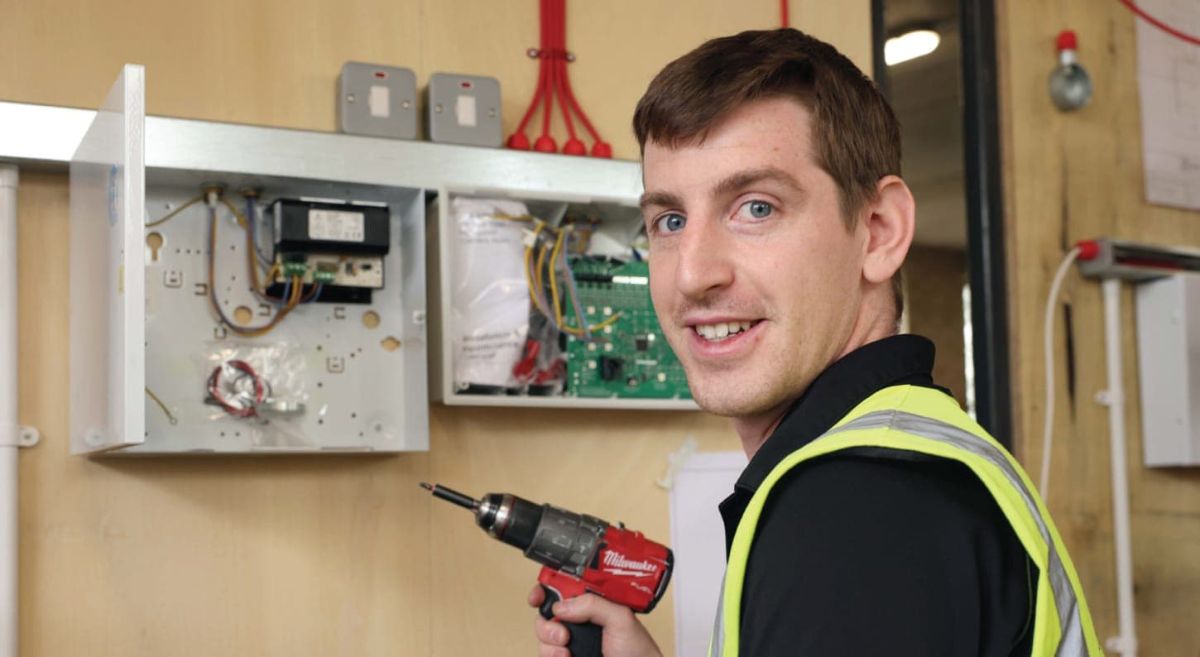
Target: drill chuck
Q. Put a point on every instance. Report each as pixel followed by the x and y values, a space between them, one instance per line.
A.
pixel 549 535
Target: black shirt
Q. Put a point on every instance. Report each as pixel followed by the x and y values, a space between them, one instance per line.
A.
pixel 858 555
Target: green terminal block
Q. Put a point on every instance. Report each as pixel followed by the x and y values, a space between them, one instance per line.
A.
pixel 294 269
pixel 628 358
pixel 326 272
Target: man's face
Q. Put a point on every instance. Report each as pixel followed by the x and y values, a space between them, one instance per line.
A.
pixel 755 278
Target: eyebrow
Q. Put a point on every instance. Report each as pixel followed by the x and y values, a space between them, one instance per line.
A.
pixel 743 179
pixel 729 185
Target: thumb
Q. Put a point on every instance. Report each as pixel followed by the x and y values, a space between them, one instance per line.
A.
pixel 589 608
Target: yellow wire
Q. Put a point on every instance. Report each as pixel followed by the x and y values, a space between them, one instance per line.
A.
pixel 558 242
pixel 241 218
pixel 528 259
pixel 608 322
pixel 171 215
pixel 166 411
pixel 508 217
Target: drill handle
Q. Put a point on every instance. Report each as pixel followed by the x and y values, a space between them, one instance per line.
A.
pixel 585 638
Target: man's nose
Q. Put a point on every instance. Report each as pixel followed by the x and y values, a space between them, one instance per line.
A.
pixel 704 264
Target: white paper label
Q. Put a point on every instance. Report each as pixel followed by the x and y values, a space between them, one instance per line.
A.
pixel 379 101
pixel 465 110
pixel 336 225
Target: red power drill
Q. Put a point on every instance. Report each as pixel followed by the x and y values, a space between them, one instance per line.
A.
pixel 579 554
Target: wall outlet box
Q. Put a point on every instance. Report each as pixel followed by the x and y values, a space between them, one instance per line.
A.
pixel 377 101
pixel 464 109
pixel 1168 339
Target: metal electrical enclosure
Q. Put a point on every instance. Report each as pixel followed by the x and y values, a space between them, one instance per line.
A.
pixel 464 109
pixel 1168 338
pixel 377 101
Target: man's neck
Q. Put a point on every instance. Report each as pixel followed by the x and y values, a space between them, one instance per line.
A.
pixel 754 430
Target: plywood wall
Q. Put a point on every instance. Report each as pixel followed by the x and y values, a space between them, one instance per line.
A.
pixel 933 282
pixel 1071 177
pixel 323 555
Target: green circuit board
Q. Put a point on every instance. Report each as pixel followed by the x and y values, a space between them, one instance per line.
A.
pixel 629 358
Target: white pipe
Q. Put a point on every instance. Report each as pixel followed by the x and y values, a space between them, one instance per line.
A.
pixel 1126 641
pixel 8 411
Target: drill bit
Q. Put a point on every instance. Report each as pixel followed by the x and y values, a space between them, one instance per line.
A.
pixel 452 496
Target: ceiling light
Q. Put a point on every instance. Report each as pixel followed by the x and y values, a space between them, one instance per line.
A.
pixel 910 45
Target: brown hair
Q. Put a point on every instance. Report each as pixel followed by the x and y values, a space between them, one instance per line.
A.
pixel 855 133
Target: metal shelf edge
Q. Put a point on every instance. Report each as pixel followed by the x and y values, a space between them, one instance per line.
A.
pixel 50 134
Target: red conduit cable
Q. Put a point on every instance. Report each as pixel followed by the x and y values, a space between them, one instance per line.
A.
pixel 579 110
pixel 519 140
pixel 546 56
pixel 558 59
pixel 1141 13
pixel 560 74
pixel 537 94
pixel 545 143
pixel 553 79
pixel 533 103
pixel 599 147
pixel 783 13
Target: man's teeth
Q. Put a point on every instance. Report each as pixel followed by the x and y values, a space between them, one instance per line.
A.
pixel 721 330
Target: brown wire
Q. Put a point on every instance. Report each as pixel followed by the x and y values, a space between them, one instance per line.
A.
pixel 248 331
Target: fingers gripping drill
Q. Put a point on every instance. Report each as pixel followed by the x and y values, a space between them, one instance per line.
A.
pixel 579 554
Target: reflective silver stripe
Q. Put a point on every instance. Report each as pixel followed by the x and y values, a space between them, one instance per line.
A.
pixel 1071 643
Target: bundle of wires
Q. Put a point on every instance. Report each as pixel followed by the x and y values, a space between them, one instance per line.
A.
pixel 293 291
pixel 540 271
pixel 554 81
pixel 241 403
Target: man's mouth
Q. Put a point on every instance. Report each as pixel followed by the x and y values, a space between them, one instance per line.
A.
pixel 719 331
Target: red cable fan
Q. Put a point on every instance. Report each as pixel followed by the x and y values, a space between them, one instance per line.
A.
pixel 553 81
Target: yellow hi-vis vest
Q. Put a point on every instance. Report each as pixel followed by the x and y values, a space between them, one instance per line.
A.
pixel 924 420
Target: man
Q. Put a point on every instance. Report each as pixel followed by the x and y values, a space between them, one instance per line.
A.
pixel 874 517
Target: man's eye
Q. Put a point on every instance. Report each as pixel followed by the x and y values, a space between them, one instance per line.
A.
pixel 671 223
pixel 757 209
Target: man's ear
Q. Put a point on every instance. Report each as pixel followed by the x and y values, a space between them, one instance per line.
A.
pixel 890 220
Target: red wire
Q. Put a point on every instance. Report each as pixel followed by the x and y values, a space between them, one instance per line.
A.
pixel 559 62
pixel 547 47
pixel 783 13
pixel 1182 36
pixel 541 82
pixel 579 110
pixel 570 93
pixel 214 388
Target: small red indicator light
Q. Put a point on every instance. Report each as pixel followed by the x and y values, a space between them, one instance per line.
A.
pixel 465 84
pixel 382 75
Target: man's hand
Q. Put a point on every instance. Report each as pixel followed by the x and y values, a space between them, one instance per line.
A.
pixel 624 635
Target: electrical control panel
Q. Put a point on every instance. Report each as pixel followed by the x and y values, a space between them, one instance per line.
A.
pixel 464 109
pixel 546 302
pixel 279 324
pixel 377 101
pixel 629 357
pixel 235 311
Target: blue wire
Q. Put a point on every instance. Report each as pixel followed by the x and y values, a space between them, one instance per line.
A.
pixel 317 294
pixel 252 220
pixel 287 291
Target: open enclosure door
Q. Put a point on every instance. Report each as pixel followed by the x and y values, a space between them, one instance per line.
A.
pixel 107 259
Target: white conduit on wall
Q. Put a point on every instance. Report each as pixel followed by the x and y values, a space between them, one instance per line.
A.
pixel 8 411
pixel 1126 642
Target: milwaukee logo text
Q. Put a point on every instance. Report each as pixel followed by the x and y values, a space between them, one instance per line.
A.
pixel 618 560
